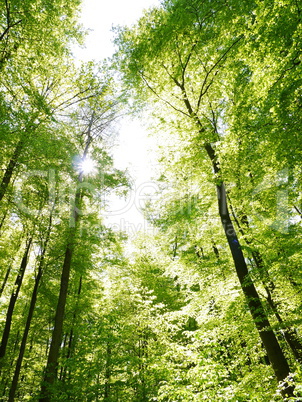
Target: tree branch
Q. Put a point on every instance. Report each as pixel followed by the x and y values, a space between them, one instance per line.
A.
pixel 205 87
pixel 162 99
pixel 9 25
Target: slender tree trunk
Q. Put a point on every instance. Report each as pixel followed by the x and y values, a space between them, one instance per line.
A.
pixel 53 354
pixel 3 220
pixel 97 387
pixel 217 255
pixel 24 338
pixel 5 279
pixel 175 246
pixel 216 252
pixel 10 169
pixel 63 370
pixel 289 334
pixel 32 305
pixel 143 345
pixel 270 342
pixel 50 374
pixel 298 210
pixel 12 302
pixel 71 337
pixel 199 252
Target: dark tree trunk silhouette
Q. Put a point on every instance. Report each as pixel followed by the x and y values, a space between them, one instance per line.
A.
pixel 5 279
pixel 266 333
pixel 10 168
pixel 107 371
pixel 289 334
pixel 32 305
pixel 53 354
pixel 71 336
pixel 50 374
pixel 13 300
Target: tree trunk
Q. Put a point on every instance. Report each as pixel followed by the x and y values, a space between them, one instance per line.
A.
pixel 53 355
pixel 12 302
pixel 71 336
pixel 10 169
pixel 270 342
pixel 63 369
pixel 5 279
pixel 32 305
pixel 289 334
pixel 24 338
pixel 3 220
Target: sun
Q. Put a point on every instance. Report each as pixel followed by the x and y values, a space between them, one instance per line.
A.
pixel 87 166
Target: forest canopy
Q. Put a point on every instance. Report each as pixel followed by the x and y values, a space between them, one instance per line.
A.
pixel 207 307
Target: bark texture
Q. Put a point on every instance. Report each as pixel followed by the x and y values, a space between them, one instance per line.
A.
pixel 267 335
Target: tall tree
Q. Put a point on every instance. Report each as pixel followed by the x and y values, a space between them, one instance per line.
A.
pixel 40 269
pixel 13 299
pixel 193 44
pixel 96 117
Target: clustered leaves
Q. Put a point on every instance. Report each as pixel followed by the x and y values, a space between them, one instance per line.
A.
pixel 223 77
pixel 169 322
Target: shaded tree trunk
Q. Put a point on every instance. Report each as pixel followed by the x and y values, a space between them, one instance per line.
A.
pixel 32 305
pixel 13 300
pixel 10 169
pixel 50 374
pixel 270 342
pixel 298 211
pixel 142 353
pixel 71 336
pixel 175 246
pixel 53 354
pixel 3 220
pixel 5 279
pixel 289 334
pixel 63 369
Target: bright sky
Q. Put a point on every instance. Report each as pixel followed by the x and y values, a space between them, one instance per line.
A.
pixel 101 15
pixel 133 144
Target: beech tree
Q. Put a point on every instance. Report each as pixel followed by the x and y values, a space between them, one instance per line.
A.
pixel 34 31
pixel 181 56
pixel 96 117
pixel 207 307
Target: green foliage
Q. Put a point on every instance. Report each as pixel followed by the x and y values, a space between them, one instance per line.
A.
pixel 225 74
pixel 169 322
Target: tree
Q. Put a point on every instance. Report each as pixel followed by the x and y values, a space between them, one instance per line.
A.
pixel 13 299
pixel 41 266
pixel 96 118
pixel 181 56
pixel 52 25
pixel 81 318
